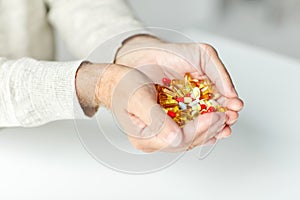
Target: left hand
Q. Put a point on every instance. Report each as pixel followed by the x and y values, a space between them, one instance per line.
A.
pixel 200 60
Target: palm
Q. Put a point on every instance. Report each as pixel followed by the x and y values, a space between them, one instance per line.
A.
pixel 175 60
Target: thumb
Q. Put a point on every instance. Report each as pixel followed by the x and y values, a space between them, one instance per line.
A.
pixel 163 128
pixel 214 68
pixel 159 126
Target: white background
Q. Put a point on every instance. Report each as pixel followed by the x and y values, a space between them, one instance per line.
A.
pixel 260 161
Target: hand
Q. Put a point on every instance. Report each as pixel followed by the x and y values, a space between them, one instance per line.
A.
pixel 131 96
pixel 201 60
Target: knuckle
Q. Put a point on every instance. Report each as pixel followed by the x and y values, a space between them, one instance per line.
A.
pixel 209 49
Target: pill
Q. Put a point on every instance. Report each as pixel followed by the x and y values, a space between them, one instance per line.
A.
pixel 196 92
pixel 166 81
pixel 213 102
pixel 169 92
pixel 187 100
pixel 203 112
pixel 174 109
pixel 171 113
pixel 211 109
pixel 194 102
pixel 182 106
pixel 203 106
pixel 167 101
pixel 195 107
pixel 178 92
pixel 177 82
pixel 207 96
pixel 179 99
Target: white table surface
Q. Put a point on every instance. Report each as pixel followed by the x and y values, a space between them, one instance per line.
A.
pixel 260 161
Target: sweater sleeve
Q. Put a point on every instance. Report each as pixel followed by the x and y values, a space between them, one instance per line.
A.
pixel 85 24
pixel 35 92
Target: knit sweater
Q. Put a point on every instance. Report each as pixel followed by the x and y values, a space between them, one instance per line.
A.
pixel 34 92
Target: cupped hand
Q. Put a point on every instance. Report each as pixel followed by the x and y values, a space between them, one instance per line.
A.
pixel 200 60
pixel 131 96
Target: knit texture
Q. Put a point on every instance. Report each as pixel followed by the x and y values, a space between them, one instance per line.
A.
pixel 35 92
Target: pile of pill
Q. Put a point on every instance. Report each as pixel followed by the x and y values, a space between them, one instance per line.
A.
pixel 184 100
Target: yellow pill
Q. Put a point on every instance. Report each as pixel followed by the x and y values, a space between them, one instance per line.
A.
pixel 207 96
pixel 196 92
pixel 170 105
pixel 174 109
pixel 177 82
pixel 164 96
pixel 195 113
pixel 169 92
pixel 178 92
pixel 168 101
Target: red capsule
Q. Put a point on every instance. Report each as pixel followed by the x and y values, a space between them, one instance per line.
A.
pixel 203 106
pixel 211 109
pixel 180 99
pixel 166 81
pixel 203 112
pixel 188 95
pixel 171 114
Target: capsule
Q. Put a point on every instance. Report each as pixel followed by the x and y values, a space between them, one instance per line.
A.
pixel 166 81
pixel 187 99
pixel 177 82
pixel 171 113
pixel 182 106
pixel 196 93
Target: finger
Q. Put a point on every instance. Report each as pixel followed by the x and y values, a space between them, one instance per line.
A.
pixel 160 128
pixel 203 127
pixel 213 67
pixel 231 117
pixel 234 104
pixel 132 89
pixel 211 141
pixel 168 139
pixel 209 134
pixel 141 103
pixel 137 121
pixel 226 132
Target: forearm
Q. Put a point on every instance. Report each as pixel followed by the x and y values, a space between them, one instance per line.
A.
pixel 35 92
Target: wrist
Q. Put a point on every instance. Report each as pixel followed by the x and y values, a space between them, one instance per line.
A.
pixel 108 82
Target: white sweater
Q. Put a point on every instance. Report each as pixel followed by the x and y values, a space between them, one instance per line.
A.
pixel 35 92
